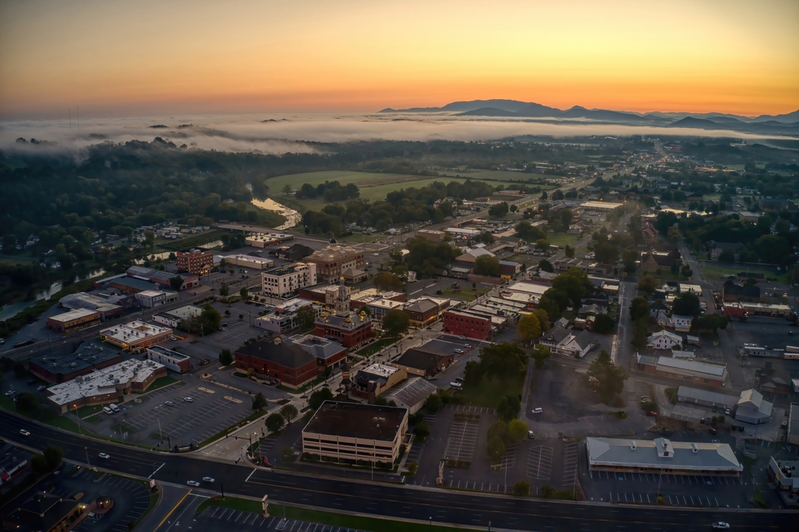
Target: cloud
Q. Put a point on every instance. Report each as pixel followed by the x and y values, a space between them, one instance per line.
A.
pixel 278 134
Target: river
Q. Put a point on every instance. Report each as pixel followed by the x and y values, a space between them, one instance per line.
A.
pixel 292 217
pixel 9 311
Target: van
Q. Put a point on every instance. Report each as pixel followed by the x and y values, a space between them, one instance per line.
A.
pixel 108 410
pixel 114 407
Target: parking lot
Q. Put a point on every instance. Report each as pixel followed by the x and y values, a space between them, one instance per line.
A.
pixel 462 440
pixel 215 518
pixel 211 410
pixel 539 463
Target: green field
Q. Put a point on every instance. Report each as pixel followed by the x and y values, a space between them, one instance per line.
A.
pixel 562 239
pixel 464 294
pixel 490 391
pixel 721 270
pixel 373 186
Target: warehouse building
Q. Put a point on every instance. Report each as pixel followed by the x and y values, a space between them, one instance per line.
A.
pixel 356 433
pixel 74 320
pixel 752 408
pixel 109 308
pixel 88 357
pixel 686 394
pixel 173 318
pixel 136 335
pixel 161 277
pixel 662 455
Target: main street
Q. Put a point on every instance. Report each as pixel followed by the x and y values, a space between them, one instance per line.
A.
pixel 387 500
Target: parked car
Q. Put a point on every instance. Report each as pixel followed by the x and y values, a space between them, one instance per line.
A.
pixel 9 393
pixel 538 410
pixel 41 388
pixel 188 399
pixel 24 432
pixel 193 483
pixel 713 430
pixel 727 411
pixel 530 435
pixel 720 524
pixel 458 351
pixel 208 479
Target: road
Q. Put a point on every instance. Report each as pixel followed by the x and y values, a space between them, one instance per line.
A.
pixel 388 500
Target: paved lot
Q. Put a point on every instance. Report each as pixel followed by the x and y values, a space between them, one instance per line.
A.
pixel 570 461
pixel 539 462
pixel 213 409
pixel 222 519
pixel 462 440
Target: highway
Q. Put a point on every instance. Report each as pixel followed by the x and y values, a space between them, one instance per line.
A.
pixel 388 500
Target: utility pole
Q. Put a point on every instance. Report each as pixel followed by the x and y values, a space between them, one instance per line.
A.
pixel 87 456
pixel 77 416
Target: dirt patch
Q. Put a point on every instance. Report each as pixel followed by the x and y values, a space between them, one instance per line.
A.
pixel 567 393
pixel 668 424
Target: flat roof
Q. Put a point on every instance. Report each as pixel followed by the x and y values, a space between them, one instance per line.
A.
pixel 616 452
pixel 704 395
pixel 103 381
pixel 133 331
pixel 73 315
pixel 189 311
pixel 167 352
pixel 380 370
pixel 600 205
pixel 87 355
pixel 692 365
pixel 356 420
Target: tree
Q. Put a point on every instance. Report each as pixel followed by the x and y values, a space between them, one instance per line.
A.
pixel 521 488
pixel 54 456
pixel 639 308
pixel 540 355
pixel 629 258
pixel 176 282
pixel 421 431
pixel 224 290
pixel 727 256
pixel 529 327
pixel 686 304
pixel 542 244
pixel 543 319
pixel 274 422
pixel 575 284
pixel 606 252
pixel 603 324
pixel 508 407
pixel 366 310
pixel 648 284
pixel 713 322
pixel 485 237
pixel 287 189
pixel 569 251
pixel 289 412
pixel 550 306
pixel 433 403
pixel 39 464
pixel 244 293
pixel 495 448
pixel 306 316
pixel 517 430
pixel 640 334
pixel 486 265
pixel 502 361
pixel 611 378
pixel 225 357
pixel 318 397
pixel 387 282
pixel 686 271
pixel 396 322
pixel 546 266
pixel 499 210
pixel 258 402
pixel 673 235
pixel 149 238
pixel 498 429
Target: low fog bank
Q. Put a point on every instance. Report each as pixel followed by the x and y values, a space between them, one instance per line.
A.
pixel 276 134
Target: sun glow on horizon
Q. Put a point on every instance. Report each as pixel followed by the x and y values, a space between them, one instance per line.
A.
pixel 116 59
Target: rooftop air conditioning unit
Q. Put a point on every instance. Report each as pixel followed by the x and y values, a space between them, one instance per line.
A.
pixel 694 448
pixel 633 445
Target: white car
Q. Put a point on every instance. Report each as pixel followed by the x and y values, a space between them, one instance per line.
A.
pixel 538 410
pixel 9 393
pixel 208 479
pixel 104 456
pixel 193 483
pixel 169 403
pixel 24 432
pixel 188 399
pixel 459 351
pixel 720 524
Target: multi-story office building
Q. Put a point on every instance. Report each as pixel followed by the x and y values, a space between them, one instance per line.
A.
pixel 285 280
pixel 195 261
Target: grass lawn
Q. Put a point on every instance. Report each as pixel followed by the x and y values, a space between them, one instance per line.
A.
pixel 489 392
pixel 191 241
pixel 240 423
pixel 160 382
pixel 466 293
pixel 562 239
pixel 374 347
pixel 325 518
pixel 720 270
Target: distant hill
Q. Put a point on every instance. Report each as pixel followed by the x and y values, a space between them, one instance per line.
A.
pixel 777 125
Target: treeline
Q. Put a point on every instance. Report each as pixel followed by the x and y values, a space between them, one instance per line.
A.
pixel 400 207
pixel 329 190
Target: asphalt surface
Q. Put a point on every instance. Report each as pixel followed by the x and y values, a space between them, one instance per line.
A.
pixel 386 500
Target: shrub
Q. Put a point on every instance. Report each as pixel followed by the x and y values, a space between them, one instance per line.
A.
pixel 521 488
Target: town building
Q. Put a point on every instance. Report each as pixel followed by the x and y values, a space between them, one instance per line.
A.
pixel 294 253
pixel 663 340
pixel 14 461
pixel 336 261
pixel 173 318
pixel 135 335
pixel 107 385
pixel 195 261
pixel 151 298
pixel 328 353
pixel 356 433
pixel 697 396
pixel 373 380
pixel 752 408
pixel 177 362
pixel 562 341
pixel 731 292
pixel 265 240
pixel 433 236
pixel 684 369
pixel 793 424
pixel 655 261
pixel 681 323
pixel 411 393
pixel 162 278
pixel 468 324
pixel 61 367
pixel 285 317
pixel 107 308
pixel 287 280
pixel 44 512
pixel 602 206
pixel 74 320
pixel 662 455
pixel 350 328
pixel 423 362
pixel 715 249
pixel 784 475
pixel 245 261
pixel 425 310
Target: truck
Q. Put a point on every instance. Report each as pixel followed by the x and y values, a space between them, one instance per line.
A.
pixel 114 407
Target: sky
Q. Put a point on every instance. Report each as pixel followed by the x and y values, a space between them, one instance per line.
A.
pixel 144 58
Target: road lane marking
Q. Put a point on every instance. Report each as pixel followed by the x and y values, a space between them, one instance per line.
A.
pixel 172 510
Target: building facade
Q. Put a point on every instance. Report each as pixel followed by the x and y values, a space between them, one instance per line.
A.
pixel 286 280
pixel 462 323
pixel 74 320
pixel 195 261
pixel 135 335
pixel 333 261
pixel 278 359
pixel 177 362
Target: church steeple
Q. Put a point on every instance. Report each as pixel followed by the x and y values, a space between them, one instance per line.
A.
pixel 343 299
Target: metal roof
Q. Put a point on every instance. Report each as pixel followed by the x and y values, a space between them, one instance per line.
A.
pixel 612 452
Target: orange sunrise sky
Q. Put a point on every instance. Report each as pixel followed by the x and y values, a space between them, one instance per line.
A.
pixel 115 58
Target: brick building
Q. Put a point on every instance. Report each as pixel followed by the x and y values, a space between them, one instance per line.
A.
pixel 350 328
pixel 462 323
pixel 424 311
pixel 195 261
pixel 337 261
pixel 74 320
pixel 63 367
pixel 282 360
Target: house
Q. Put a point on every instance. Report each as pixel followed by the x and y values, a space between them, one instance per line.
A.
pixel 375 379
pixel 681 323
pixel 663 340
pixel 752 408
pixel 716 248
pixel 570 343
pixel 655 261
pixel 658 308
pixel 424 362
pixel 426 310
